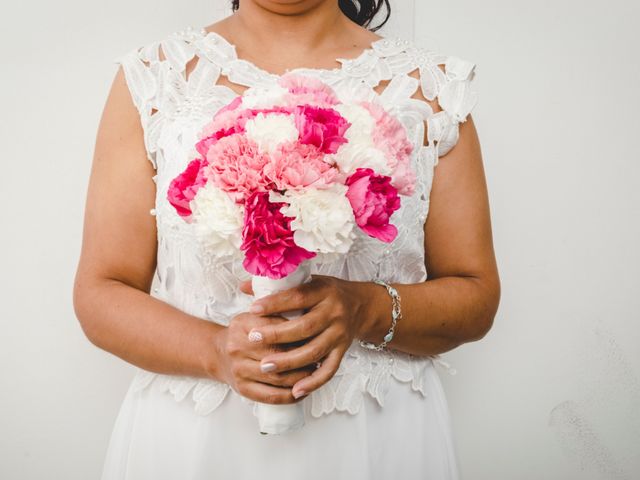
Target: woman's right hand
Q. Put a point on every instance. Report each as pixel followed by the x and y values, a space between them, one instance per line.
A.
pixel 239 362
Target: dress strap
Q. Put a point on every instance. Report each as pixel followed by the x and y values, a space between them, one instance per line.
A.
pixel 456 95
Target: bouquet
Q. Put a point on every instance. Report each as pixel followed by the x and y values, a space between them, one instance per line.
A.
pixel 286 172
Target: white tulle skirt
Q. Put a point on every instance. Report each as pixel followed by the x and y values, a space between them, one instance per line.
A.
pixel 156 437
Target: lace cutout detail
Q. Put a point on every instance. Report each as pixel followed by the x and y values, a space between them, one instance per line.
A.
pixel 174 105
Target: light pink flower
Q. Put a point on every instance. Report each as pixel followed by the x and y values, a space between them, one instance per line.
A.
pixel 404 177
pixel 267 239
pixel 229 120
pixel 236 166
pixel 295 165
pixel 322 127
pixel 373 200
pixel 206 143
pixel 226 121
pixel 307 90
pixel 184 187
pixel 390 136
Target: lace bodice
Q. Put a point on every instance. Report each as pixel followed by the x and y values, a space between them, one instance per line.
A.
pixel 174 105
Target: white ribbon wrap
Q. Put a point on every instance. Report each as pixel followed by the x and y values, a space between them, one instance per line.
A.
pixel 281 418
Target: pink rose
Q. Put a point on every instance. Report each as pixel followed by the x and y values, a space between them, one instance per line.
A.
pixel 267 239
pixel 184 187
pixel 373 200
pixel 322 127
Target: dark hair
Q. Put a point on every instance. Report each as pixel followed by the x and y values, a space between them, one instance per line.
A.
pixel 362 15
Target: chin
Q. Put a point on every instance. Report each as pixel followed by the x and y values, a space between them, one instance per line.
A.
pixel 287 7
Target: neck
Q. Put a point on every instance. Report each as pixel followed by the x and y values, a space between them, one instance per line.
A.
pixel 316 27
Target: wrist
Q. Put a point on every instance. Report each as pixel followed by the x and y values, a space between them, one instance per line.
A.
pixel 377 313
pixel 214 353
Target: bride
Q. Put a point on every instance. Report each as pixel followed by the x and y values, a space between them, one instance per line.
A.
pixel 204 351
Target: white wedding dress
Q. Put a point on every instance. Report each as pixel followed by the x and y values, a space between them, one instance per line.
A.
pixel 383 415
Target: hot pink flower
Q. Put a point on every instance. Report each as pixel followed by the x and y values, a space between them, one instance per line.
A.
pixel 267 239
pixel 373 200
pixel 322 127
pixel 295 165
pixel 184 187
pixel 236 166
pixel 307 90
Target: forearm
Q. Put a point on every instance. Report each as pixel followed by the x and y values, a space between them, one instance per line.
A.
pixel 146 331
pixel 437 315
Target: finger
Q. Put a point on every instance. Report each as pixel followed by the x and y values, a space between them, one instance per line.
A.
pixel 264 393
pixel 258 322
pixel 308 325
pixel 300 297
pixel 245 287
pixel 311 352
pixel 278 379
pixel 257 353
pixel 257 350
pixel 320 376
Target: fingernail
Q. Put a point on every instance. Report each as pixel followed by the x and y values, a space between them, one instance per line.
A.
pixel 255 336
pixel 268 367
pixel 256 308
pixel 298 394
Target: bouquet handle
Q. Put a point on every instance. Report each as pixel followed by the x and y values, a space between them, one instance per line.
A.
pixel 281 418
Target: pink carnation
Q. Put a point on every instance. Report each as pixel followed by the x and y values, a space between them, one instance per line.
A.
pixel 267 239
pixel 322 127
pixel 206 143
pixel 389 135
pixel 228 120
pixel 404 177
pixel 236 166
pixel 307 90
pixel 295 165
pixel 184 187
pixel 373 200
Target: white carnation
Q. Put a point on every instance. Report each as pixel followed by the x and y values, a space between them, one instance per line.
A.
pixel 362 123
pixel 270 130
pixel 361 155
pixel 257 97
pixel 217 220
pixel 323 219
pixel 359 151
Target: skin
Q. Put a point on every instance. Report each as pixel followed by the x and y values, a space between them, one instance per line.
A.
pixel 111 298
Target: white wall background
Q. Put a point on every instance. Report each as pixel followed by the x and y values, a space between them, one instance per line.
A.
pixel 552 392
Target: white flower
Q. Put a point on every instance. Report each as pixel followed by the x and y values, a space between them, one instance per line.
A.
pixel 359 151
pixel 270 130
pixel 257 97
pixel 362 123
pixel 323 219
pixel 361 155
pixel 217 220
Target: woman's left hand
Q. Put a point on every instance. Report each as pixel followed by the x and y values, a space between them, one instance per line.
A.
pixel 335 312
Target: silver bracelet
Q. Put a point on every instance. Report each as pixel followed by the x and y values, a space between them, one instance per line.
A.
pixel 396 314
